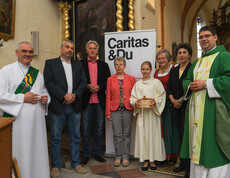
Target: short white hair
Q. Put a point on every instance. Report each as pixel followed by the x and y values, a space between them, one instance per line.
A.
pixel 91 41
pixel 23 42
pixel 62 44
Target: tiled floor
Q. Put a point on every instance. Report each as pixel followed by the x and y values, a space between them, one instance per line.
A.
pixel 105 170
pixel 96 169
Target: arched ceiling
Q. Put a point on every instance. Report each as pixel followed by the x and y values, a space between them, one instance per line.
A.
pixel 209 5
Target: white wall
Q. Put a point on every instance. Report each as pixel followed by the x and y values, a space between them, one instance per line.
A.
pixel 172 23
pixel 43 16
pixel 145 18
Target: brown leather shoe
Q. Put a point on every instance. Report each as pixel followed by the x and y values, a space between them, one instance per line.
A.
pixel 80 169
pixel 117 163
pixel 54 173
pixel 125 163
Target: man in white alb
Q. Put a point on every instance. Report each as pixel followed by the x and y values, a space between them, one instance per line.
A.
pixel 23 96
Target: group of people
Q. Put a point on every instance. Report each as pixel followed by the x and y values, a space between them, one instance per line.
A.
pixel 173 115
pixel 180 112
pixel 76 87
pixel 160 126
pixel 69 90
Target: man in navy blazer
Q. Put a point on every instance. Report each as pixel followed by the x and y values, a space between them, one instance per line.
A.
pixel 65 80
pixel 97 73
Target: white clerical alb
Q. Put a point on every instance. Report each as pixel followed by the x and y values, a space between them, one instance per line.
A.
pixel 29 129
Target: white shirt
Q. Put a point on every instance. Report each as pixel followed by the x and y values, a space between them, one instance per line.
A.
pixel 212 93
pixel 68 73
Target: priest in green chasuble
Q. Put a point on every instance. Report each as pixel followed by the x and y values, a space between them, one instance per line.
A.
pixel 207 127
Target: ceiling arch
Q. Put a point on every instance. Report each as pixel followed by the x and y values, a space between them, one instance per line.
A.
pixel 194 18
pixel 208 4
pixel 187 6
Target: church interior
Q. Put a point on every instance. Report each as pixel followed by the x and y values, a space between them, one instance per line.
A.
pixel 46 23
pixel 175 21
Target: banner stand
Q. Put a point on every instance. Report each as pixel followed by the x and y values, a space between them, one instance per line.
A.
pixel 136 47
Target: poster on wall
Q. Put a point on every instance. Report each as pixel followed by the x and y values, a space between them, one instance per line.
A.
pixel 136 47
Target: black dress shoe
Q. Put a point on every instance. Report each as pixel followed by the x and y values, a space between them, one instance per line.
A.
pixel 84 160
pixel 100 159
pixel 187 175
pixel 153 168
pixel 160 162
pixel 145 168
pixel 178 169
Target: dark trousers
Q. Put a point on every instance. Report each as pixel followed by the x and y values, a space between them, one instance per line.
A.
pixel 185 163
pixel 178 116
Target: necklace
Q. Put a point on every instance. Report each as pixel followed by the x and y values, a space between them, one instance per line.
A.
pixel 166 69
pixel 163 71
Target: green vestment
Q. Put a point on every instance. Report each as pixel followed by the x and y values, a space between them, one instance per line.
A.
pixel 215 141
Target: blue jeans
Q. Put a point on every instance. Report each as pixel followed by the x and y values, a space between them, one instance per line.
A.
pixel 57 122
pixel 92 111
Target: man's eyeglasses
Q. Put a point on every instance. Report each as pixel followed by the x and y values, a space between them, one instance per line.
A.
pixel 204 36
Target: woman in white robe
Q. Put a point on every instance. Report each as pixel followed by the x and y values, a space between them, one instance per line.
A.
pixel 29 128
pixel 149 144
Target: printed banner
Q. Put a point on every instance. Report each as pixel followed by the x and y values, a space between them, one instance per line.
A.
pixel 135 46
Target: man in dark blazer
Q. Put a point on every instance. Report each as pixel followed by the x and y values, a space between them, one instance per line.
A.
pixel 97 73
pixel 65 80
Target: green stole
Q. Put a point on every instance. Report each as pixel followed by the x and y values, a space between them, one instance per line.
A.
pixel 26 84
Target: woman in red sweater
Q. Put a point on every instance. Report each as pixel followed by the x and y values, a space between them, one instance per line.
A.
pixel 119 110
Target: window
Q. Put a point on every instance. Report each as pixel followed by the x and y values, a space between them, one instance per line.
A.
pixel 198 26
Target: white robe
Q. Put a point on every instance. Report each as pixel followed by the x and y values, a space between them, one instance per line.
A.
pixel 29 129
pixel 198 171
pixel 149 144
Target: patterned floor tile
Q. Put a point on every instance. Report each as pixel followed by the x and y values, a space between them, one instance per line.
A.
pixel 113 174
pixel 102 168
pixel 131 173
